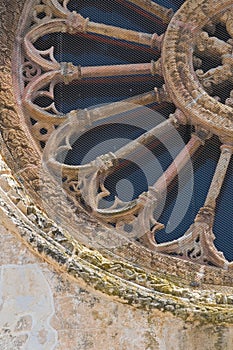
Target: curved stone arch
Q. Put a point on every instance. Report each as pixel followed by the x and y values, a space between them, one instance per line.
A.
pixel 85 263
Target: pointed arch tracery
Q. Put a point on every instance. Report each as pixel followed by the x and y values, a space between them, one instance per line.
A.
pixel 180 54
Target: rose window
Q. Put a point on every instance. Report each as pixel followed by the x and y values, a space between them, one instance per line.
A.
pixel 159 79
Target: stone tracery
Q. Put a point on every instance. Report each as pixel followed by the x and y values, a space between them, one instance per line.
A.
pixel 116 278
pixel 189 90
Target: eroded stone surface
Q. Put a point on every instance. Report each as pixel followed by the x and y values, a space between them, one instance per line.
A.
pixel 85 320
pixel 26 308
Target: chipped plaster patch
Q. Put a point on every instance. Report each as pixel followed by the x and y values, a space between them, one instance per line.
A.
pixel 26 308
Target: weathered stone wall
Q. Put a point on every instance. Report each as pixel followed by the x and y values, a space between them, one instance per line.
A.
pixel 41 308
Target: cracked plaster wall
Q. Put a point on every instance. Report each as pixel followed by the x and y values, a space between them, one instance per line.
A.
pixel 42 309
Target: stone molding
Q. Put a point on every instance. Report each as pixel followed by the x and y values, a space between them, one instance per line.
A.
pixel 161 282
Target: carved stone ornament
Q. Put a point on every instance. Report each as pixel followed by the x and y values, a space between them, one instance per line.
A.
pixel 56 207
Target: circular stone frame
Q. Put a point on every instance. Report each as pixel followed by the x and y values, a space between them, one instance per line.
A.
pixel 177 61
pixel 188 290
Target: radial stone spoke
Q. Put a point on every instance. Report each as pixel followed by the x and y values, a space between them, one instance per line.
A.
pixel 71 72
pixel 164 128
pixel 198 242
pixel 76 23
pixel 150 199
pixel 129 104
pixel 179 162
pixel 158 131
pixel 150 6
pixel 219 176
